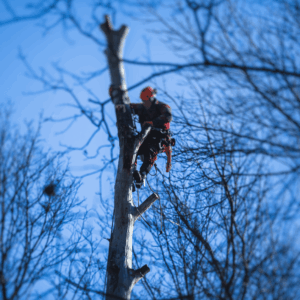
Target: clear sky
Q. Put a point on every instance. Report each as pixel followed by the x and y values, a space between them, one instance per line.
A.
pixel 77 54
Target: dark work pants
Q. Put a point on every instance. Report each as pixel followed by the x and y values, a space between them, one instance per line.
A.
pixel 149 149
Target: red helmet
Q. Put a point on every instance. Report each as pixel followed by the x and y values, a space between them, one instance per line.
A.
pixel 147 93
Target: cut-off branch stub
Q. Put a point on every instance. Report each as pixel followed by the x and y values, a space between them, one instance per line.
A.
pixel 145 205
pixel 141 272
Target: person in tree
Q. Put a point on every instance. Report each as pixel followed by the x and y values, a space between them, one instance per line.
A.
pixel 157 115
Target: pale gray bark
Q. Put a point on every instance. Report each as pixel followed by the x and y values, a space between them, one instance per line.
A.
pixel 121 278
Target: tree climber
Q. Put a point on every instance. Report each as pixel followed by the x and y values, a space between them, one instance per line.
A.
pixel 158 116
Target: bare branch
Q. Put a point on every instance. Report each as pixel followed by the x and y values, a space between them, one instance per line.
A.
pixel 145 205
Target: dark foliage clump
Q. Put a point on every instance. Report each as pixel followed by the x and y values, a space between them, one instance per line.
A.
pixel 50 189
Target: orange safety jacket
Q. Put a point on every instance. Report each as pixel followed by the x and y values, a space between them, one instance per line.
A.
pixel 159 115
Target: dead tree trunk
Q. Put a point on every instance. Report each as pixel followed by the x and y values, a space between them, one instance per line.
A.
pixel 121 278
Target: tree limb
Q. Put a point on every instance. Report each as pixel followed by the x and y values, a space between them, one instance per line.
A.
pixel 145 205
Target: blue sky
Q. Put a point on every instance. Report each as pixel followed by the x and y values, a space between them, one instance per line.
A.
pixel 76 54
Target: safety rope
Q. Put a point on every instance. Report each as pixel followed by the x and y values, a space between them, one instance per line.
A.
pixel 161 212
pixel 155 170
pixel 138 195
pixel 159 205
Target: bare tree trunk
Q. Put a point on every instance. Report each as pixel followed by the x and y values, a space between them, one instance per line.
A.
pixel 121 278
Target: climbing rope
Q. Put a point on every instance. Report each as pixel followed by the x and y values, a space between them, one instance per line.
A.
pixel 161 212
pixel 155 170
pixel 159 203
pixel 138 195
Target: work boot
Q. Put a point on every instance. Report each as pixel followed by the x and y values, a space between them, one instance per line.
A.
pixel 137 176
pixel 133 188
pixel 141 179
